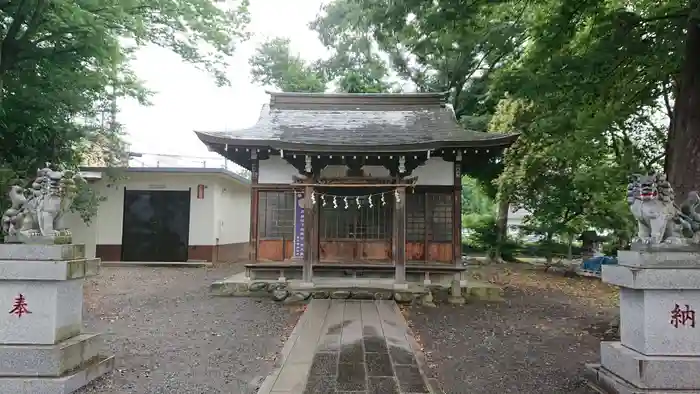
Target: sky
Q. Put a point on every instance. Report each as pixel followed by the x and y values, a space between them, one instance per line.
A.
pixel 187 99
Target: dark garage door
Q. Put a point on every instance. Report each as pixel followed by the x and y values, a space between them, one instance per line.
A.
pixel 156 225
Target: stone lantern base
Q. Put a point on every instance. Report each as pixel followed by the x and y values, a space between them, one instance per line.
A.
pixel 42 347
pixel 659 347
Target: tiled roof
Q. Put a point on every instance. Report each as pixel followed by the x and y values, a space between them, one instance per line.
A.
pixel 341 122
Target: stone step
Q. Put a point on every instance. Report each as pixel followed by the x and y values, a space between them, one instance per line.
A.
pixel 659 372
pixel 68 383
pixel 49 360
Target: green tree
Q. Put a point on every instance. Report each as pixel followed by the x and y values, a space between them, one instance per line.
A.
pixel 62 63
pixel 35 30
pixel 355 64
pixel 683 145
pixel 442 46
pixel 273 64
pixel 474 199
pixel 567 182
pixel 609 71
pixel 590 94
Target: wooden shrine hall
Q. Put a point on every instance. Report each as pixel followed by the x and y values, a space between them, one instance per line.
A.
pixel 348 180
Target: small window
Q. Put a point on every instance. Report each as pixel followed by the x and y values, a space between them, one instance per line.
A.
pixel 415 217
pixel 276 214
pixel 440 206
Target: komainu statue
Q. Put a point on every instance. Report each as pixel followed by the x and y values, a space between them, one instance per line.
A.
pixel 659 219
pixel 36 215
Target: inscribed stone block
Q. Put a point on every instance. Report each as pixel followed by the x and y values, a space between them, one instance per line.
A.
pixel 51 311
pixel 656 322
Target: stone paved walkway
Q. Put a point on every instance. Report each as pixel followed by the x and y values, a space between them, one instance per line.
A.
pixel 358 347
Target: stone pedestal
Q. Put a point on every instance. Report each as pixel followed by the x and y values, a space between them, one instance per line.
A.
pixel 659 348
pixel 42 347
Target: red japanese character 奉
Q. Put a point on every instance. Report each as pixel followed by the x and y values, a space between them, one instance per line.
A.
pixel 19 308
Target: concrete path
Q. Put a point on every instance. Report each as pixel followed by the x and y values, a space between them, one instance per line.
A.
pixel 358 347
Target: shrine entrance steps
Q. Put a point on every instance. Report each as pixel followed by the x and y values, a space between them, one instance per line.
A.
pixel 339 346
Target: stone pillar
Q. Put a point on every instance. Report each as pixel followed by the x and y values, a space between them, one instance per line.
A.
pixel 456 296
pixel 659 347
pixel 42 347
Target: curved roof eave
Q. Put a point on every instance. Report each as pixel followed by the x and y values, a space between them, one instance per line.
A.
pixel 500 141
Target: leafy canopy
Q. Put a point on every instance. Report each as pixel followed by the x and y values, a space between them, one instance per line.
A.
pixel 64 63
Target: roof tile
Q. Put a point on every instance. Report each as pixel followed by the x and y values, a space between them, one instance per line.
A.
pixel 347 121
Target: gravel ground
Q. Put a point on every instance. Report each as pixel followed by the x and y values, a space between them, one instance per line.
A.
pixel 536 342
pixel 170 336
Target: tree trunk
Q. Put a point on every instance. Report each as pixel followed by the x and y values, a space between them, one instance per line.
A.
pixel 501 225
pixel 683 148
pixel 2 96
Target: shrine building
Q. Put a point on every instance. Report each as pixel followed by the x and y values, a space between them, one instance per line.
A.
pixel 356 180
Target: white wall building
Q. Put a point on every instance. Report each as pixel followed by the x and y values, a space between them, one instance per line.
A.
pixel 167 214
pixel 516 217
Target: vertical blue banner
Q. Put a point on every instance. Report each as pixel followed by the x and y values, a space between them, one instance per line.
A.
pixel 299 226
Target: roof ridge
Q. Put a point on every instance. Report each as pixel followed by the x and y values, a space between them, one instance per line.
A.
pixel 381 101
pixel 340 95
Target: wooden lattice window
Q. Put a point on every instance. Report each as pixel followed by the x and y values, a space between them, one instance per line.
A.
pixel 441 223
pixel 374 223
pixel 276 214
pixel 356 222
pixel 415 217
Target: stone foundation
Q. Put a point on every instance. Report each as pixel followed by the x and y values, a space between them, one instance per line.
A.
pixel 292 291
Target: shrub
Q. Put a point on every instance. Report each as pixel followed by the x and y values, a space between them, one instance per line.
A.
pixel 483 237
pixel 551 248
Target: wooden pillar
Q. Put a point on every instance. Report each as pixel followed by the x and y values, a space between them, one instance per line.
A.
pixel 428 227
pixel 254 177
pixel 316 233
pixel 457 211
pixel 399 239
pixel 309 226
